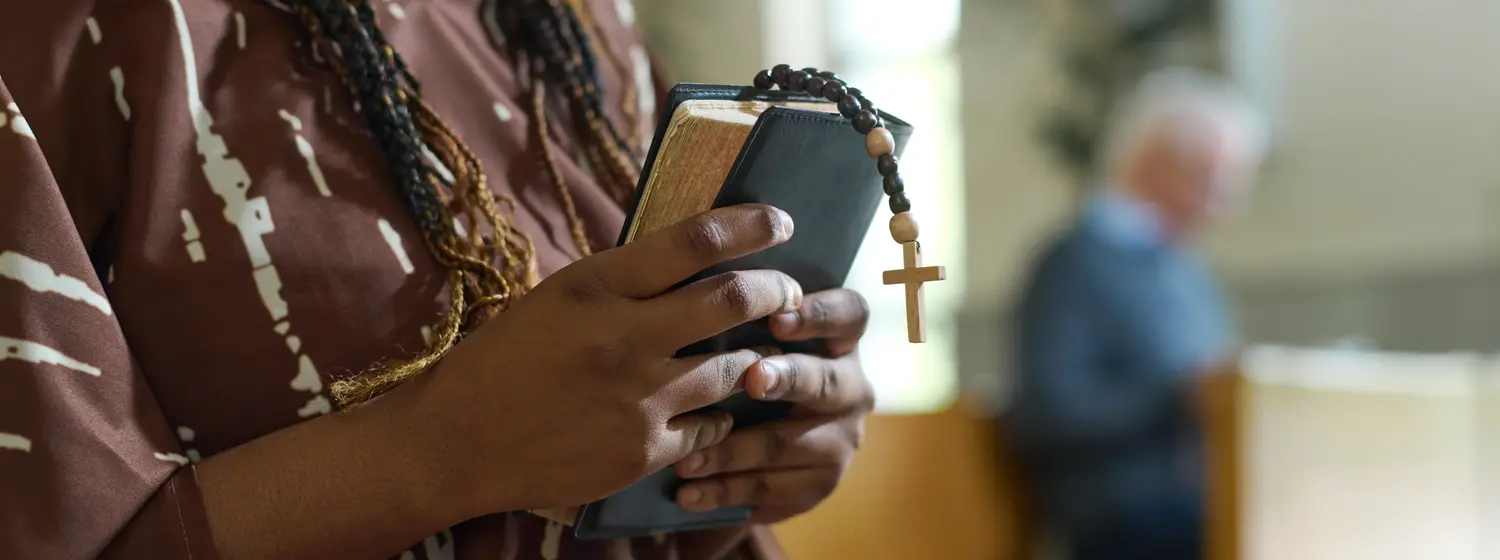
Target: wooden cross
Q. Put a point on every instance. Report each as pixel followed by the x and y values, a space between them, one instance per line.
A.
pixel 913 275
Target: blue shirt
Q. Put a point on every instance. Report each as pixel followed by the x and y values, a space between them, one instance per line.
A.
pixel 1113 322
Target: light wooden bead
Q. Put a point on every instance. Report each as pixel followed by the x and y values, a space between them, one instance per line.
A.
pixel 904 227
pixel 879 142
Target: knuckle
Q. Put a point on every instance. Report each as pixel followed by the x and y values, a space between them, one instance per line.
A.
pixel 704 237
pixel 817 312
pixel 588 287
pixel 608 353
pixel 775 446
pixel 728 373
pixel 737 292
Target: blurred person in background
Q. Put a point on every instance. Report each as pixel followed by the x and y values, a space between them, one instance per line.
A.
pixel 1119 321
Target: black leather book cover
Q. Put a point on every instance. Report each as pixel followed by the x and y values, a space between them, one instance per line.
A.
pixel 813 166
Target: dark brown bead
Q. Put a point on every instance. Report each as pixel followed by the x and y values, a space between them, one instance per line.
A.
pixel 797 81
pixel 763 80
pixel 833 91
pixel 866 104
pixel 854 92
pixel 864 122
pixel 815 86
pixel 849 106
pixel 810 71
pixel 894 185
pixel 779 74
pixel 830 76
pixel 899 203
pixel 888 165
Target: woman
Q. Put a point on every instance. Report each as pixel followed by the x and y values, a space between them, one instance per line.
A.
pixel 223 219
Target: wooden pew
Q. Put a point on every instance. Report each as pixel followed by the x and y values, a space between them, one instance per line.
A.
pixel 930 486
pixel 1322 454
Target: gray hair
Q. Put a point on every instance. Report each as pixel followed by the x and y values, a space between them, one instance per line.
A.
pixel 1178 96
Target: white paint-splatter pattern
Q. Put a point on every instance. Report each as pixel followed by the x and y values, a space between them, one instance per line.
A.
pixel 18 122
pixel 396 10
pixel 427 336
pixel 552 540
pixel 39 354
pixel 394 240
pixel 645 87
pixel 283 327
pixel 293 343
pixel 40 278
pixel 437 164
pixel 117 76
pixel 239 30
pixel 190 236
pixel 15 442
pixel 306 149
pixel 626 10
pixel 95 34
pixel 172 458
pixel 503 112
pixel 439 546
pixel 229 180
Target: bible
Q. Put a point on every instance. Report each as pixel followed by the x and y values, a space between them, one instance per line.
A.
pixel 720 146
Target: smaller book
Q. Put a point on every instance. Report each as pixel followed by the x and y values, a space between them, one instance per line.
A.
pixel 721 146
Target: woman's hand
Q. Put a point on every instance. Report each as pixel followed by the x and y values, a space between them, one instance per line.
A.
pixel 785 468
pixel 574 393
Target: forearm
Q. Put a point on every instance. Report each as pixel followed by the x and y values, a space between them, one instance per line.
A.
pixel 358 485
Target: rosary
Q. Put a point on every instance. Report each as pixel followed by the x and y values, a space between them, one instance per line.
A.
pixel 881 146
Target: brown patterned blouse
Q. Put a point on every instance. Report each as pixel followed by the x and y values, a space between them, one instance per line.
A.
pixel 196 231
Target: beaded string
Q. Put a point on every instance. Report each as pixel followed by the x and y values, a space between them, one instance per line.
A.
pixel 881 146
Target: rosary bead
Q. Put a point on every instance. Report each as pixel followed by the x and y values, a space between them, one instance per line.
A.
pixel 849 106
pixel 797 81
pixel 887 165
pixel 763 80
pixel 833 91
pixel 894 184
pixel 855 92
pixel 810 71
pixel 864 122
pixel 904 227
pixel 866 104
pixel 879 142
pixel 780 73
pixel 899 203
pixel 830 76
pixel 815 86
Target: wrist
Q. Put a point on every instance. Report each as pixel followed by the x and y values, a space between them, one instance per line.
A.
pixel 431 468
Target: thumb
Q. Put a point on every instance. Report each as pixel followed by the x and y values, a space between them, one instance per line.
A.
pixel 691 432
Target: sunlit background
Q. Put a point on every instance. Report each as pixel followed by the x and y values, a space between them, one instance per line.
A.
pixel 1374 230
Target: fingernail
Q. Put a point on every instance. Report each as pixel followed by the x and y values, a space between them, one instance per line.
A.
pixel 691 495
pixel 786 322
pixel 772 369
pixel 793 297
pixel 784 224
pixel 693 463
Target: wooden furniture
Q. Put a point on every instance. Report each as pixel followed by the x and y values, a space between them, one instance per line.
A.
pixel 931 486
pixel 1323 454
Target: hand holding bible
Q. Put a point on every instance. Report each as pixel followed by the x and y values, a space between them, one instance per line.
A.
pixel 785 468
pixel 574 393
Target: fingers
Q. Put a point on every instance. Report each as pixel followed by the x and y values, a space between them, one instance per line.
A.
pixel 713 305
pixel 653 264
pixel 791 444
pixel 699 381
pixel 797 489
pixel 836 315
pixel 688 433
pixel 823 385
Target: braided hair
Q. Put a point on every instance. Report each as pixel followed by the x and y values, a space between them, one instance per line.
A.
pixel 486 272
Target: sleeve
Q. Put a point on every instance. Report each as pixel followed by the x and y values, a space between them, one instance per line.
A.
pixel 1068 402
pixel 89 468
